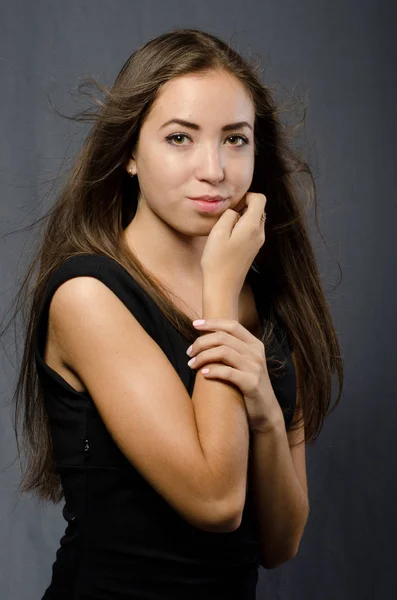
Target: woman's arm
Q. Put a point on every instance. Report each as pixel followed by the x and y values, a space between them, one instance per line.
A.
pixel 279 483
pixel 221 417
pixel 281 503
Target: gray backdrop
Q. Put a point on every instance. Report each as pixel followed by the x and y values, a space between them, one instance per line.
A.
pixel 342 53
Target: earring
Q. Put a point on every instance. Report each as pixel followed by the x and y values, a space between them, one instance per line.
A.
pixel 131 173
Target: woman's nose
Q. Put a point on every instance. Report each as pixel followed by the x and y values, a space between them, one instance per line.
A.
pixel 210 166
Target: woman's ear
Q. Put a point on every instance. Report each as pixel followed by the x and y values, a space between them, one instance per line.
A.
pixel 131 166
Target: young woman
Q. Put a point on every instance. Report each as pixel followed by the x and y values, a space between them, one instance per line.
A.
pixel 178 482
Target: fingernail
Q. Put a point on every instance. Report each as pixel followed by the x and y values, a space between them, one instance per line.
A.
pixel 188 351
pixel 199 322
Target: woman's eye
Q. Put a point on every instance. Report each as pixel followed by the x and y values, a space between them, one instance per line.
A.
pixel 171 139
pixel 174 136
pixel 240 137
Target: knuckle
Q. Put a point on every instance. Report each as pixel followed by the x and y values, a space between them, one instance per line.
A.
pixel 261 347
pixel 235 326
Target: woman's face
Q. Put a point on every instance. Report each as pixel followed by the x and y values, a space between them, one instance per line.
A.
pixel 175 162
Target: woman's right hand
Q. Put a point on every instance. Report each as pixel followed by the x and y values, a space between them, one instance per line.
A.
pixel 233 243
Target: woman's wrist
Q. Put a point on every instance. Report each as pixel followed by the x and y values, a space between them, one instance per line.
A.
pixel 218 303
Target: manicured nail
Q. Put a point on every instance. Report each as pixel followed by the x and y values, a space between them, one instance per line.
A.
pixel 199 322
pixel 188 351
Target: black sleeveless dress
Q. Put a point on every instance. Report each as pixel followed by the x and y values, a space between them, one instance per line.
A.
pixel 122 539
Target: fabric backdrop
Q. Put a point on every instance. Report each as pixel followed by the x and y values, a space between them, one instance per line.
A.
pixel 342 55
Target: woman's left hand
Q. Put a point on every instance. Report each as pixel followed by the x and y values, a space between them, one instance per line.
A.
pixel 245 366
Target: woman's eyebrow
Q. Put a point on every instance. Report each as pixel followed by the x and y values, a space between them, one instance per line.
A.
pixel 229 127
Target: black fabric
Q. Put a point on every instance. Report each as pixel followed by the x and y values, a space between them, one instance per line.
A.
pixel 122 539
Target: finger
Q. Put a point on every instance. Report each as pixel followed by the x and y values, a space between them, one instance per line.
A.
pixel 217 338
pixel 227 221
pixel 256 205
pixel 219 354
pixel 230 326
pixel 241 206
pixel 241 379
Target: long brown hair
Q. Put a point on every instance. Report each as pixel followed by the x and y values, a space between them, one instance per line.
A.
pixel 90 213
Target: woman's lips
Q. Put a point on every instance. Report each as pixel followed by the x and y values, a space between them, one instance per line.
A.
pixel 208 207
pixel 208 198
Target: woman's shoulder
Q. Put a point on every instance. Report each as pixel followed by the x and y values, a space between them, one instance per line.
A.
pixel 100 266
pixel 110 273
